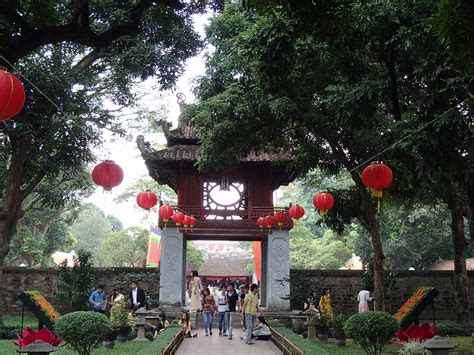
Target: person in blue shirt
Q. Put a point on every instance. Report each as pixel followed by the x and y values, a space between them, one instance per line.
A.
pixel 98 299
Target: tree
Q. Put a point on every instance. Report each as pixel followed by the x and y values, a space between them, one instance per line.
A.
pixel 124 248
pixel 306 80
pixel 145 183
pixel 194 256
pixel 78 53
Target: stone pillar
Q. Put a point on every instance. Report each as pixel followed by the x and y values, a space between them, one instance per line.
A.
pixel 171 267
pixel 183 285
pixel 263 272
pixel 278 270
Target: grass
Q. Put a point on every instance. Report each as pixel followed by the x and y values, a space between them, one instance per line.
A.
pixel 31 322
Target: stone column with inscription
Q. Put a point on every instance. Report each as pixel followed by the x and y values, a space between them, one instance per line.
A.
pixel 171 267
pixel 278 270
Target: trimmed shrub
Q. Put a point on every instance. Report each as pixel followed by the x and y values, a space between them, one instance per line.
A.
pixel 118 316
pixel 371 330
pixel 455 330
pixel 83 331
pixel 413 348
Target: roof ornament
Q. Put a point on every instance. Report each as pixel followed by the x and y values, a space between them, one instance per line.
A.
pixel 181 100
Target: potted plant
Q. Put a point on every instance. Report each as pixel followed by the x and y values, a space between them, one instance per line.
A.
pixel 322 327
pixel 119 321
pixel 336 326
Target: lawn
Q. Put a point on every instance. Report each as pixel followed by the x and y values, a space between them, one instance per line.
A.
pixel 16 322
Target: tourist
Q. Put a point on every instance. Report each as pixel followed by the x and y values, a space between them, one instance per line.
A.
pixel 185 324
pixel 163 323
pixel 325 304
pixel 117 297
pixel 310 300
pixel 245 291
pixel 98 299
pixel 363 298
pixel 261 331
pixel 136 296
pixel 232 301
pixel 250 308
pixel 194 290
pixel 221 309
pixel 208 309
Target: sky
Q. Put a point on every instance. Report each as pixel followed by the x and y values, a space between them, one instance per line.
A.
pixel 125 151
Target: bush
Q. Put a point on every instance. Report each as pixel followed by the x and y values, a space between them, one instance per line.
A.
pixel 337 322
pixel 371 330
pixel 118 316
pixel 413 348
pixel 83 331
pixel 301 329
pixel 455 330
pixel 9 332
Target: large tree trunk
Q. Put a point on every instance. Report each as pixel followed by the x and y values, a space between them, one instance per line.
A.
pixel 379 293
pixel 460 244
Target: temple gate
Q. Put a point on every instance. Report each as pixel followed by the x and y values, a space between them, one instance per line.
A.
pixel 226 206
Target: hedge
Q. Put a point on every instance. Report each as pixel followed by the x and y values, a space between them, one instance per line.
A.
pixel 306 345
pixel 167 336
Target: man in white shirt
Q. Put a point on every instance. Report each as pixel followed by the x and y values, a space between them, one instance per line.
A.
pixel 136 296
pixel 222 308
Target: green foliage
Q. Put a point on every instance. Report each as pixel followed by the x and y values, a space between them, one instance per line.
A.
pixel 194 256
pixel 371 330
pixel 146 183
pixel 301 329
pixel 83 331
pixel 124 248
pixel 118 316
pixel 124 279
pixel 338 321
pixel 301 289
pixel 76 282
pixel 454 329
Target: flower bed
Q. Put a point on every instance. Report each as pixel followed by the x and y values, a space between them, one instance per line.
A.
pixel 416 304
pixel 43 310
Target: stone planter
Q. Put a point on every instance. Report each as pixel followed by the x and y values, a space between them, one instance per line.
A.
pixel 339 336
pixel 322 333
pixel 122 334
pixel 108 344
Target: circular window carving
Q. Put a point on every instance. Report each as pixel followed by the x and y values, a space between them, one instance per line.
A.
pixel 225 198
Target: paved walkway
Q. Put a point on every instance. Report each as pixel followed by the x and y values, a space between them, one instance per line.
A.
pixel 219 345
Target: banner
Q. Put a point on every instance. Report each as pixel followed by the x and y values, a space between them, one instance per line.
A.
pixel 154 247
pixel 257 254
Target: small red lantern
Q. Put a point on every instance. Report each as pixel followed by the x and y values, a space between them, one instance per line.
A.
pixel 323 201
pixel 270 221
pixel 261 221
pixel 192 221
pixel 12 95
pixel 166 212
pixel 107 174
pixel 147 199
pixel 377 177
pixel 280 218
pixel 296 212
pixel 178 218
pixel 186 221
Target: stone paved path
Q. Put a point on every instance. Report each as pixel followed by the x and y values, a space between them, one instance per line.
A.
pixel 219 345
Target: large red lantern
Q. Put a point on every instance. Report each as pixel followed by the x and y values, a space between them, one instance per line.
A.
pixel 166 212
pixel 107 174
pixel 261 221
pixel 178 218
pixel 12 95
pixel 280 218
pixel 323 201
pixel 296 212
pixel 147 199
pixel 377 177
pixel 270 221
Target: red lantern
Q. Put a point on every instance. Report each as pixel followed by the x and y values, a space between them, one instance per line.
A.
pixel 107 174
pixel 147 199
pixel 296 212
pixel 323 202
pixel 166 212
pixel 270 221
pixel 280 218
pixel 261 221
pixel 192 221
pixel 12 95
pixel 186 221
pixel 178 218
pixel 377 177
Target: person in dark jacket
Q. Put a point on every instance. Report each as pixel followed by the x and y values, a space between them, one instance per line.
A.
pixel 136 296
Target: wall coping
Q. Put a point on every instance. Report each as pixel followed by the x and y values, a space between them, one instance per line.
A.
pixel 104 270
pixel 360 273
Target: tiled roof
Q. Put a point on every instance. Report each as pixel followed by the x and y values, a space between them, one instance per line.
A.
pixel 224 267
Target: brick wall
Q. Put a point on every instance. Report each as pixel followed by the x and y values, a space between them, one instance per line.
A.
pixel 46 281
pixel 346 284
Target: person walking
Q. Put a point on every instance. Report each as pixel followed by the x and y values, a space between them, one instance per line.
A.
pixel 325 304
pixel 251 308
pixel 221 309
pixel 208 309
pixel 363 298
pixel 232 301
pixel 194 290
pixel 245 291
pixel 98 299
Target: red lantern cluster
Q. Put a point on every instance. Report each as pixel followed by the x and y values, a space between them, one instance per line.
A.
pixel 147 199
pixel 280 218
pixel 12 95
pixel 296 212
pixel 107 174
pixel 178 218
pixel 377 177
pixel 323 202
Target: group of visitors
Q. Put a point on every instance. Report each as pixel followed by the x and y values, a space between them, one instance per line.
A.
pixel 99 302
pixel 227 303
